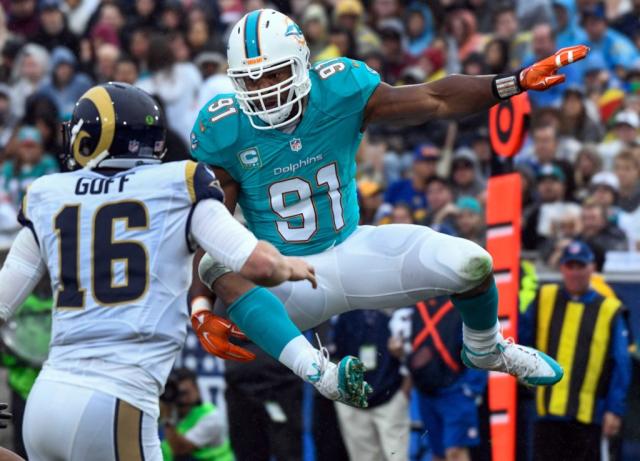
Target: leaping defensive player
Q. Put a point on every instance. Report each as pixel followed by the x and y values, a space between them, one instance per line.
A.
pixel 284 147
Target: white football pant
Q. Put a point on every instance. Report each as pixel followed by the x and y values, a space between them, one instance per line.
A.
pixel 65 422
pixel 379 267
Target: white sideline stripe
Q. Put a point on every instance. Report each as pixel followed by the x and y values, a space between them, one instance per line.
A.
pixel 500 418
pixel 500 231
pixel 502 277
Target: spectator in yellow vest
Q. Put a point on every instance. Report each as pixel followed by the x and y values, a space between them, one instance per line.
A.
pixel 587 334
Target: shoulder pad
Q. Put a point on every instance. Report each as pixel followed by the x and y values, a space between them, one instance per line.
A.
pixel 345 85
pixel 216 129
pixel 201 182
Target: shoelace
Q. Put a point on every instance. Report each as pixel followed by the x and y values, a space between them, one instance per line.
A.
pixel 519 369
pixel 323 357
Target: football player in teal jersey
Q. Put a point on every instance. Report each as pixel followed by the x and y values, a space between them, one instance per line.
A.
pixel 284 146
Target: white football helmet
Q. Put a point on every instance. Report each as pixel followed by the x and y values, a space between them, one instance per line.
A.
pixel 263 41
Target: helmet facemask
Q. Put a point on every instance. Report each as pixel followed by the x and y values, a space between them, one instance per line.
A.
pixel 286 94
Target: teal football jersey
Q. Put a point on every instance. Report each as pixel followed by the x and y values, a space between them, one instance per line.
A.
pixel 297 190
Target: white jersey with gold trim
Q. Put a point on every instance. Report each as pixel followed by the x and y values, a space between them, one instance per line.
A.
pixel 118 253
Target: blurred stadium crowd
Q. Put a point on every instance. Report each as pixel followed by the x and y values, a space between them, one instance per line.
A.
pixel 580 163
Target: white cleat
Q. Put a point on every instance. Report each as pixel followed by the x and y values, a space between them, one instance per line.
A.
pixel 343 382
pixel 530 366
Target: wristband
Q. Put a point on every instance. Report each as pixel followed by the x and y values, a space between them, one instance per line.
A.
pixel 200 303
pixel 210 270
pixel 505 86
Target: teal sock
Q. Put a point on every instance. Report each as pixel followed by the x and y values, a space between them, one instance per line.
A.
pixel 263 318
pixel 479 312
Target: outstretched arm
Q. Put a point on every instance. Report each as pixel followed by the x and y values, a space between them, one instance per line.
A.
pixel 460 95
pixel 450 97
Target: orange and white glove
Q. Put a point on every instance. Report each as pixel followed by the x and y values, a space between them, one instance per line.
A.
pixel 214 333
pixel 539 76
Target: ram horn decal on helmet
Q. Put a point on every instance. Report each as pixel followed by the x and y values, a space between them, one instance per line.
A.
pixel 114 125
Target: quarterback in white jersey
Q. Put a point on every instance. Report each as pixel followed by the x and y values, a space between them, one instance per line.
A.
pixel 117 237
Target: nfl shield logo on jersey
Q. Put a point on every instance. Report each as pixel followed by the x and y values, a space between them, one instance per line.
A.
pixel 295 144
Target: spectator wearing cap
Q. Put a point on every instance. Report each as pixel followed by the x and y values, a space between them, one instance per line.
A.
pixel 370 195
pixel 412 75
pixel 348 14
pixel 392 38
pixel 627 170
pixel 465 175
pixel 605 188
pixel 616 48
pixel 412 190
pixel 65 85
pixel 625 129
pixel 577 120
pixel 587 334
pixel 54 31
pixel 420 28
pixel 213 67
pixel 441 211
pixel 600 233
pixel 551 185
pixel 568 31
pixel 315 26
pixel 549 207
pixel 27 163
pixel 470 220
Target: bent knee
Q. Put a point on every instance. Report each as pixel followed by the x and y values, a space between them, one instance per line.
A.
pixel 477 263
pixel 470 262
